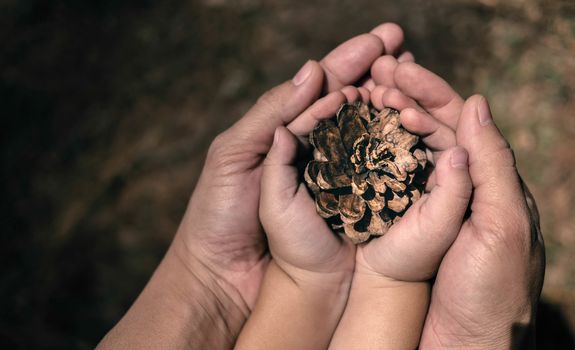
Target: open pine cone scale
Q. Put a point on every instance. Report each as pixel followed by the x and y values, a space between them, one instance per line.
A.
pixel 366 170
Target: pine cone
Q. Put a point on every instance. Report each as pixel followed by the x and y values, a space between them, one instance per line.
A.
pixel 366 171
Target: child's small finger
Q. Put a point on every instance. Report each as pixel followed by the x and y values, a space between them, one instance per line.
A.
pixel 283 149
pixel 406 57
pixel 279 173
pixel 377 96
pixel 369 84
pixel 351 93
pixel 364 92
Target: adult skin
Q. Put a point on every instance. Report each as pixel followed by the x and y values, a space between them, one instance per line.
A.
pixel 487 286
pixel 206 285
pixel 486 291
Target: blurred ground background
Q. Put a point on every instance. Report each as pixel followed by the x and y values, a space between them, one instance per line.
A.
pixel 107 108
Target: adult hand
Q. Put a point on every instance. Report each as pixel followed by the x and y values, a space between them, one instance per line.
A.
pixel 307 282
pixel 488 284
pixel 220 229
pixel 390 292
pixel 207 284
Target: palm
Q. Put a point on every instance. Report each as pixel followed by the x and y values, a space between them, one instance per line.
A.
pixel 492 274
pixel 221 226
pixel 390 255
pixel 467 277
pixel 230 229
pixel 413 248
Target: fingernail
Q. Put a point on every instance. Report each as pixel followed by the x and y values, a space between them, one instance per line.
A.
pixel 276 136
pixel 303 74
pixel 459 158
pixel 484 113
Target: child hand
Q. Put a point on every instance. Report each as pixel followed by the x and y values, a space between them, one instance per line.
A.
pixel 390 295
pixel 307 283
pixel 413 248
pixel 300 241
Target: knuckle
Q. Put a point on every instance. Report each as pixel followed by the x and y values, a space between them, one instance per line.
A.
pixel 503 154
pixel 217 146
pixel 406 71
pixel 270 99
pixel 519 226
pixel 386 61
pixel 222 153
pixel 513 229
pixel 462 190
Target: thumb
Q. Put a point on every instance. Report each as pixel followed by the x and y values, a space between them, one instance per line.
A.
pixel 414 247
pixel 279 106
pixel 499 203
pixel 279 178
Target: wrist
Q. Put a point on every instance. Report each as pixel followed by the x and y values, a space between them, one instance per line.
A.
pixel 182 305
pixel 392 313
pixel 297 309
pixel 237 268
pixel 187 266
pixel 505 330
pixel 329 287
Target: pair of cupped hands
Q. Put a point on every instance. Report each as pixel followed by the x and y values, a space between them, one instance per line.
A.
pixel 475 231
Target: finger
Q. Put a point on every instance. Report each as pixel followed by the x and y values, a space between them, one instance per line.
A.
pixel 284 201
pixel 279 178
pixel 429 227
pixel 383 69
pixel 324 108
pixel 391 35
pixel 406 57
pixel 351 93
pixel 376 96
pixel 277 107
pixel 350 61
pixel 499 201
pixel 430 91
pixel 369 84
pixel 437 136
pixel 364 92
pixel 396 99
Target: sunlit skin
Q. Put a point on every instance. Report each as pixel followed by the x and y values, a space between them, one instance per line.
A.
pixel 308 281
pixel 207 284
pixel 487 283
pixel 224 232
pixel 486 290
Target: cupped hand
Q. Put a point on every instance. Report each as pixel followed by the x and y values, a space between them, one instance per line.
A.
pixel 392 271
pixel 488 284
pixel 221 231
pixel 413 247
pixel 300 241
pixel 307 282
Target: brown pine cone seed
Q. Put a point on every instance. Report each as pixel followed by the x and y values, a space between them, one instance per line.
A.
pixel 367 170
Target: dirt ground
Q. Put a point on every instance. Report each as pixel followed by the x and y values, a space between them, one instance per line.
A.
pixel 107 109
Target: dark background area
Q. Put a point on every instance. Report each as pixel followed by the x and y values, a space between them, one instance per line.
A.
pixel 107 109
